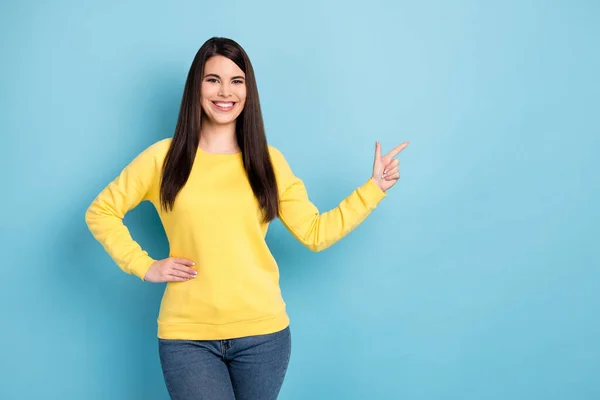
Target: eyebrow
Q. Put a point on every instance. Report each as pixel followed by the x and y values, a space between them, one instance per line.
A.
pixel 218 77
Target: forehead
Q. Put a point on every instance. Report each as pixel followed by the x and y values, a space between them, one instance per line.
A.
pixel 222 66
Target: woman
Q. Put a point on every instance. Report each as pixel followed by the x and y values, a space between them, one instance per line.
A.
pixel 223 331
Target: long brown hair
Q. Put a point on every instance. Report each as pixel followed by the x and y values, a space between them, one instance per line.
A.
pixel 249 132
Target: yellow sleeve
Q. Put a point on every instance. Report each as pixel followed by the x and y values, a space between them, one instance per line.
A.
pixel 104 216
pixel 300 216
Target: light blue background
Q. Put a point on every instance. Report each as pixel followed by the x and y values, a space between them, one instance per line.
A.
pixel 477 278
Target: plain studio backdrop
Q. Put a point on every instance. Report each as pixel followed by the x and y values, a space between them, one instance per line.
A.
pixel 477 278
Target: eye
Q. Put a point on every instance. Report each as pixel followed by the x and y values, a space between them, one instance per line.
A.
pixel 212 80
pixel 238 81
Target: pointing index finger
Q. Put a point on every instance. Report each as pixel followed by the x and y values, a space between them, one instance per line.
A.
pixel 396 150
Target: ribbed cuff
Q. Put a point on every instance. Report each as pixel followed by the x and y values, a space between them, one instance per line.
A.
pixel 141 266
pixel 371 193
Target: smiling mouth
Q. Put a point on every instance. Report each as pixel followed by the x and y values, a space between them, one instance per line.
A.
pixel 224 105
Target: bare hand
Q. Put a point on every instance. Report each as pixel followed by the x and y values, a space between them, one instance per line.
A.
pixel 172 269
pixel 386 171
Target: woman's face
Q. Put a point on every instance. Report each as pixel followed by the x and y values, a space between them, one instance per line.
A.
pixel 223 90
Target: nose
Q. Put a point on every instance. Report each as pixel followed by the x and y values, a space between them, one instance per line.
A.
pixel 224 90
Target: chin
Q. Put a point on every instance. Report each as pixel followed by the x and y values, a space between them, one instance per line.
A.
pixel 223 121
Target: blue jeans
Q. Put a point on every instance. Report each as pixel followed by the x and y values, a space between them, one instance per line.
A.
pixel 247 368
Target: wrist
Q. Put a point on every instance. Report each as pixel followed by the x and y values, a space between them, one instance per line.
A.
pixel 378 183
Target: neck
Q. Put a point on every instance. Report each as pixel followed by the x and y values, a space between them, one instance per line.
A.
pixel 218 138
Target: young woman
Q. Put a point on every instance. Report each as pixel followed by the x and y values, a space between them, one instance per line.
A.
pixel 223 331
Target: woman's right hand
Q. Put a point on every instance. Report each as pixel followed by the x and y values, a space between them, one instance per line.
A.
pixel 172 269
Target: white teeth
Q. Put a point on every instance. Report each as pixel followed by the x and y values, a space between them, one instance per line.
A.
pixel 224 105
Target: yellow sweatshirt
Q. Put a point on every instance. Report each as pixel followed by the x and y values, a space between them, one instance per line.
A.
pixel 216 222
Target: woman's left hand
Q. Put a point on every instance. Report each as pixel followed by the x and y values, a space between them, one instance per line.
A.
pixel 386 171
